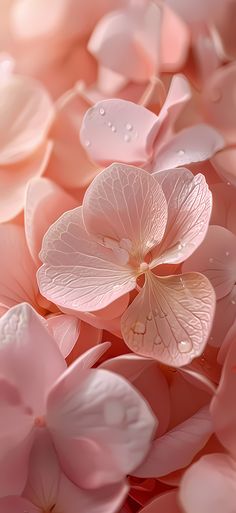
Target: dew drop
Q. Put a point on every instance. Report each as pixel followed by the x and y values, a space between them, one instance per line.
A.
pixel 233 301
pixel 129 127
pixel 109 124
pixel 127 138
pixel 185 346
pixel 211 260
pixel 87 144
pixel 102 111
pixel 113 128
pixel 227 253
pixel 139 328
pixel 181 153
pixel 149 317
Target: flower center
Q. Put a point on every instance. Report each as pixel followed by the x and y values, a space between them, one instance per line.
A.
pixel 144 266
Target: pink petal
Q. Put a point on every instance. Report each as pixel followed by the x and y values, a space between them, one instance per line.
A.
pixel 134 33
pixel 175 40
pixel 165 503
pixel 68 153
pixel 178 95
pixel 103 500
pixel 17 280
pixel 186 398
pixel 228 340
pixel 14 179
pixel 88 338
pixel 26 115
pixel 128 129
pixel 171 318
pixel 182 443
pixel 79 273
pixel 209 485
pixel 43 473
pixel 98 412
pixel 224 206
pixel 131 208
pixel 222 406
pixel 189 208
pixel 216 259
pixel 218 98
pixel 14 468
pixel 37 19
pixel 224 318
pixel 147 377
pixel 16 505
pixel 65 329
pixel 224 163
pixel 87 359
pixel 45 202
pixel 29 357
pixel 192 144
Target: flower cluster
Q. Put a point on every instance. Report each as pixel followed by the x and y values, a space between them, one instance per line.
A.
pixel 118 256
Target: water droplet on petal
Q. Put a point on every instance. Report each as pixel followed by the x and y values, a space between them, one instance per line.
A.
pixel 139 328
pixel 233 301
pixel 102 111
pixel 185 346
pixel 227 253
pixel 113 128
pixel 129 127
pixel 149 317
pixel 181 153
pixel 211 260
pixel 109 124
pixel 87 144
pixel 127 138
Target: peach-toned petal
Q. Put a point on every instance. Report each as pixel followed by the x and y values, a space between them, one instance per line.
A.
pixel 224 163
pixel 182 443
pixel 165 503
pixel 171 318
pixel 216 259
pixel 18 271
pixel 133 32
pixel 189 208
pixel 65 329
pixel 126 204
pixel 224 206
pixel 44 203
pixel 175 40
pixel 209 485
pixel 14 179
pixel 128 129
pixel 26 115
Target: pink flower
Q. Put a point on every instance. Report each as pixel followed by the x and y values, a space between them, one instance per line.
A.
pixel 100 426
pixel 127 226
pixel 135 135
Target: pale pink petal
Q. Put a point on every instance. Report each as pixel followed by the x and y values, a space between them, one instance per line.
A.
pixel 218 101
pixel 43 473
pixel 68 153
pixel 222 406
pixel 216 259
pixel 178 95
pixel 170 319
pixel 189 208
pixel 128 129
pixel 65 329
pixel 102 412
pixel 165 503
pixel 194 13
pixel 26 115
pixel 88 338
pixel 44 203
pixel 225 163
pixel 87 359
pixel 182 443
pixel 29 356
pixel 17 505
pixel 134 33
pixel 126 204
pixel 175 40
pixel 224 206
pixel 14 179
pixel 209 485
pixel 227 341
pixel 186 398
pixel 16 421
pixel 14 468
pixel 18 278
pixel 107 499
pixel 192 144
pixel 79 273
pixel 147 377
pixel 37 19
